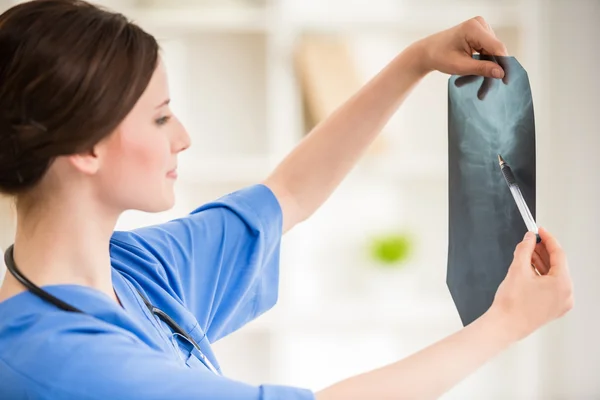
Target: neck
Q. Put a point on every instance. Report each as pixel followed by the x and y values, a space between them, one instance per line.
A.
pixel 66 242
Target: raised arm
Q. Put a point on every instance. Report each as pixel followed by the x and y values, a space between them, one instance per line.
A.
pixel 310 173
pixel 524 302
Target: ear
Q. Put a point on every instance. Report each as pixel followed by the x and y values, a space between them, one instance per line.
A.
pixel 87 162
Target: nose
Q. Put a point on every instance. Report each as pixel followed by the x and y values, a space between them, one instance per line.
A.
pixel 181 139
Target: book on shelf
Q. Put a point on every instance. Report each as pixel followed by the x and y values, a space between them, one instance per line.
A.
pixel 328 76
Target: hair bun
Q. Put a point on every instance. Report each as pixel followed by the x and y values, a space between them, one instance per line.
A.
pixel 20 165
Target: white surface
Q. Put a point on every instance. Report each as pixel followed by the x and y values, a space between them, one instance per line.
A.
pixel 570 185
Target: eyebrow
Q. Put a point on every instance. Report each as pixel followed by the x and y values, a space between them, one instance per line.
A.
pixel 164 103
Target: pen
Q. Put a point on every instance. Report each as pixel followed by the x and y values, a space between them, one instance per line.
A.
pixel 518 196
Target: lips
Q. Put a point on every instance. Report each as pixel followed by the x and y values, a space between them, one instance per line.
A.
pixel 172 173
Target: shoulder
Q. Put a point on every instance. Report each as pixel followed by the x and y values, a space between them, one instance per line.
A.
pixel 59 355
pixel 41 336
pixel 41 351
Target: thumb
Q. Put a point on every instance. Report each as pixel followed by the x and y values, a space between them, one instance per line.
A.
pixel 482 68
pixel 524 251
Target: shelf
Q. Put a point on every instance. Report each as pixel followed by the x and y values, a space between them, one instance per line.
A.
pixel 192 19
pixel 395 18
pixel 322 16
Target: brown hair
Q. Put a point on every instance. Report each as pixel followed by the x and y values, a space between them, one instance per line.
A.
pixel 70 72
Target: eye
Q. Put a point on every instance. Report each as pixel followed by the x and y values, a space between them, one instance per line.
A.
pixel 162 120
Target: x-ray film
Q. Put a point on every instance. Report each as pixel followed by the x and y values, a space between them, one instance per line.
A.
pixel 487 117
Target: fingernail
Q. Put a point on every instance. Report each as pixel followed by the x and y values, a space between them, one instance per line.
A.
pixel 497 73
pixel 528 235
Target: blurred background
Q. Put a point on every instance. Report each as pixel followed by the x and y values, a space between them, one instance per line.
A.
pixel 363 281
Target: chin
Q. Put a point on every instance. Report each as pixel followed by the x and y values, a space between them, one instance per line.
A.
pixel 157 203
pixel 165 205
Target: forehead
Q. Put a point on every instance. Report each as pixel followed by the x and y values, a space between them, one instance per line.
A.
pixel 157 90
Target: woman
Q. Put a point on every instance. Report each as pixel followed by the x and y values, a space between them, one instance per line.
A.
pixel 86 133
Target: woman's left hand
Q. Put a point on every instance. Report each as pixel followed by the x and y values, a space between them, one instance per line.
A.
pixel 450 51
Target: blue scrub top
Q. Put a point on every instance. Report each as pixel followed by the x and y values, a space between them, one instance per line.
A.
pixel 212 271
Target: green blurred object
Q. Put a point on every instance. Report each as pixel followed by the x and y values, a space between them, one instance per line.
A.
pixel 391 249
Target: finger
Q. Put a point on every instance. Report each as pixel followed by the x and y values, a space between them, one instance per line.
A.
pixel 465 80
pixel 540 249
pixel 481 39
pixel 484 23
pixel 488 28
pixel 539 263
pixel 503 62
pixel 557 257
pixel 524 251
pixel 484 88
pixel 471 66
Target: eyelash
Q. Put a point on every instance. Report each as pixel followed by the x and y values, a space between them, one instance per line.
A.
pixel 163 120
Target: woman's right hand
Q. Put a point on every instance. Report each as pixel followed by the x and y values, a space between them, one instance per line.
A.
pixel 529 300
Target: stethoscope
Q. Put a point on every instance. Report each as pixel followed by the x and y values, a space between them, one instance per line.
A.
pixel 163 316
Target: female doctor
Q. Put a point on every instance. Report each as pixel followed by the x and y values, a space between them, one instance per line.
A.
pixel 88 313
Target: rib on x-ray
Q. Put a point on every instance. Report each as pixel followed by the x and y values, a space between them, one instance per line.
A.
pixel 486 117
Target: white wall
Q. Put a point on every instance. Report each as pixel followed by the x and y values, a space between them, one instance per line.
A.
pixel 569 188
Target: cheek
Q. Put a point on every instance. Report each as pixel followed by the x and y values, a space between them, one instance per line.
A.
pixel 138 157
pixel 149 155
